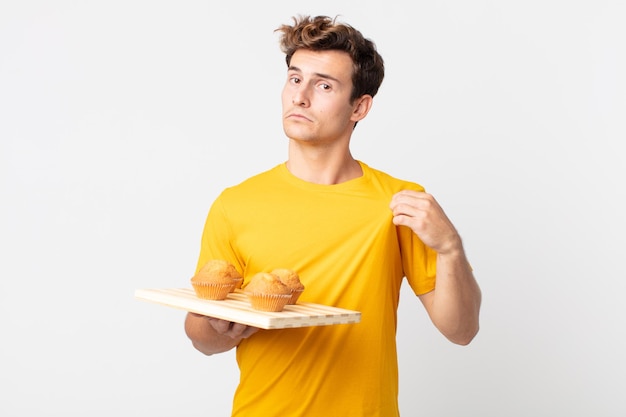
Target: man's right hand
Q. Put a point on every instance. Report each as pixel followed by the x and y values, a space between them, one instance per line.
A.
pixel 211 335
pixel 232 329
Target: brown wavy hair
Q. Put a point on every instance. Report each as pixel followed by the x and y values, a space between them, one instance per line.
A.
pixel 321 33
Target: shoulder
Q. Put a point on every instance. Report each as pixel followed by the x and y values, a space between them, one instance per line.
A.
pixel 258 183
pixel 388 181
pixel 269 175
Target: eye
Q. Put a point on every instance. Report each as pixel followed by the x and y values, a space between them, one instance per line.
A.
pixel 325 87
pixel 294 79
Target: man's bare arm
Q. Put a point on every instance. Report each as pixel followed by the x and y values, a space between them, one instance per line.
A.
pixel 454 304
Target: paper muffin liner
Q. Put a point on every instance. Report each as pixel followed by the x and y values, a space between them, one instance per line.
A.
pixel 210 291
pixel 295 294
pixel 268 302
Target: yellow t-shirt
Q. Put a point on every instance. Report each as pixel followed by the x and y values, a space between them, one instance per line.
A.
pixel 349 254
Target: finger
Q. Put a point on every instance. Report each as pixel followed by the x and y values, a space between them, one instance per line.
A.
pixel 416 222
pixel 237 329
pixel 400 220
pixel 413 209
pixel 220 326
pixel 404 211
pixel 250 331
pixel 410 198
pixel 242 331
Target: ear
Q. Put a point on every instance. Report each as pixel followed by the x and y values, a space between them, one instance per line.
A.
pixel 362 106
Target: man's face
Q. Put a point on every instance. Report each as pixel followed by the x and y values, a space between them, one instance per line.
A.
pixel 316 97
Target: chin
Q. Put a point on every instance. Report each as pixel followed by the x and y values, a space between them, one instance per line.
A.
pixel 297 134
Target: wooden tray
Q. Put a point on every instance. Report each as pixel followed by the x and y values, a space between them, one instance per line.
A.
pixel 236 307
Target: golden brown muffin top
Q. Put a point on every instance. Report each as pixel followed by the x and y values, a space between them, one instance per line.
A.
pixel 267 283
pixel 290 278
pixel 217 271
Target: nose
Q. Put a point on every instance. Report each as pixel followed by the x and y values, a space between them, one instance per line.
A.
pixel 300 97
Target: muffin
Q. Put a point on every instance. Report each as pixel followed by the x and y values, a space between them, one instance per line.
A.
pixel 291 279
pixel 267 292
pixel 215 280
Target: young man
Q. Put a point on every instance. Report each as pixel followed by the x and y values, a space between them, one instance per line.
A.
pixel 352 233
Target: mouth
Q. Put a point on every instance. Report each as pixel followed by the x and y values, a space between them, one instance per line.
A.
pixel 297 116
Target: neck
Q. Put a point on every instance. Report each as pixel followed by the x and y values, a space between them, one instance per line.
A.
pixel 322 166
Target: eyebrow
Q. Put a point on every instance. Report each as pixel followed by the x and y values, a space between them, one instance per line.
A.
pixel 317 74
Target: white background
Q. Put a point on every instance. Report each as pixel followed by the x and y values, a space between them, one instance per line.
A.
pixel 120 121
